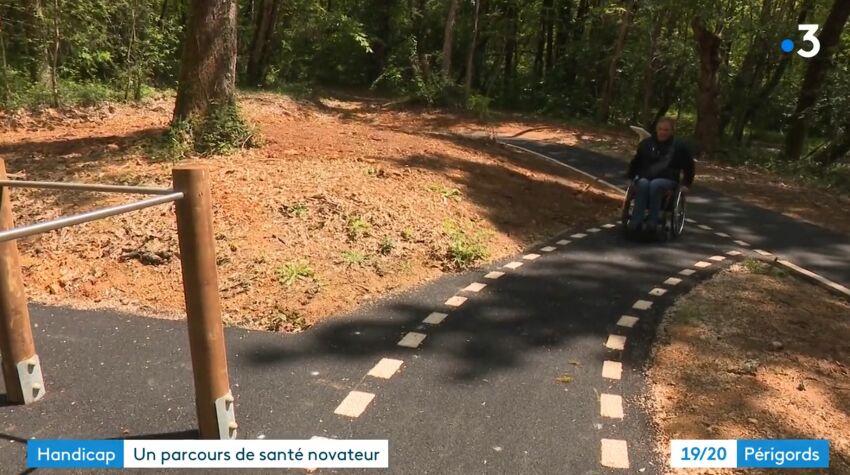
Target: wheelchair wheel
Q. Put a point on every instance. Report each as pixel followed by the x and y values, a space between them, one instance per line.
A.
pixel 677 215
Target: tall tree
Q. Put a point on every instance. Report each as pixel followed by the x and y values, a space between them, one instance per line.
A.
pixel 512 19
pixel 448 39
pixel 608 90
pixel 206 92
pixel 265 21
pixel 753 101
pixel 470 55
pixel 816 72
pixel 708 49
pixel 647 85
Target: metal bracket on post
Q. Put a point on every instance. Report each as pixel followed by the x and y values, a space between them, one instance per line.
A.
pixel 32 383
pixel 224 412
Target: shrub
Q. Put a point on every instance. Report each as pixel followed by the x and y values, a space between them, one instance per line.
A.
pixel 294 272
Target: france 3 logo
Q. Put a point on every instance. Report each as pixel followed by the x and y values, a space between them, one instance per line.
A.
pixel 788 44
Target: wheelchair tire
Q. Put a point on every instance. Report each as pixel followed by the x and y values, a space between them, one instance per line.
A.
pixel 677 216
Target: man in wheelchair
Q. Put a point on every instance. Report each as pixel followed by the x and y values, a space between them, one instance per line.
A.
pixel 660 163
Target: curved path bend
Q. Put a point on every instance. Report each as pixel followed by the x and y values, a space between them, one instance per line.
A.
pixel 534 370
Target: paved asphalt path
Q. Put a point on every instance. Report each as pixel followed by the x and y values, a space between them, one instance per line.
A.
pixel 478 396
pixel 813 247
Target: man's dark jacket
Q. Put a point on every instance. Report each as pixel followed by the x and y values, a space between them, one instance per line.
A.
pixel 668 159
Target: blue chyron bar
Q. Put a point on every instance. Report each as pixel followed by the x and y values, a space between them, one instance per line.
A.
pixel 790 453
pixel 761 453
pixel 75 453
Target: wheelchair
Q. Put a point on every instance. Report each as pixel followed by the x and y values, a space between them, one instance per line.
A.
pixel 671 222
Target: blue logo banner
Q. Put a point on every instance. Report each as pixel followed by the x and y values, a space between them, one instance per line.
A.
pixel 75 453
pixel 788 453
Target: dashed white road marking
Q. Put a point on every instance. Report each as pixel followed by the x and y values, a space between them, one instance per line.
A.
pixel 513 265
pixel 456 301
pixel 474 287
pixel 612 369
pixel 548 249
pixel 687 272
pixel 692 221
pixel 616 342
pixel 594 230
pixel 578 235
pixel 702 264
pixel 733 253
pixel 608 226
pixel 642 305
pixel 673 281
pixel 385 368
pixel 494 275
pixel 615 453
pixel 435 318
pixel 741 243
pixel 717 258
pixel 354 404
pixel 657 292
pixel 723 235
pixel 563 242
pixel 705 227
pixel 611 405
pixel 412 340
pixel 763 252
pixel 627 321
pixel 530 257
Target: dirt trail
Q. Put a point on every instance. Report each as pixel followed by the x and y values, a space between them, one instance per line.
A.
pixel 345 201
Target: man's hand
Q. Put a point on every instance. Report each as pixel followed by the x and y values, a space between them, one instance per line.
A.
pixel 685 188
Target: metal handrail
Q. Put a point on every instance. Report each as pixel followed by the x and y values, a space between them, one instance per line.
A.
pixel 58 185
pixel 65 221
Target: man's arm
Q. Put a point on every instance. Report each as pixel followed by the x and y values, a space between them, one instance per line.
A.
pixel 635 164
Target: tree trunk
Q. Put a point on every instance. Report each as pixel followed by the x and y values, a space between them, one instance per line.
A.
pixel 129 58
pixel 420 38
pixel 647 84
pixel 510 51
pixel 258 59
pixel 750 71
pixel 836 149
pixel 3 65
pixel 816 72
pixel 53 55
pixel 608 91
pixel 550 44
pixel 753 102
pixel 708 86
pixel 470 55
pixel 208 65
pixel 541 43
pixel 561 32
pixel 448 39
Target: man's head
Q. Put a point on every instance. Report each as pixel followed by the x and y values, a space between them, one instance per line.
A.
pixel 664 129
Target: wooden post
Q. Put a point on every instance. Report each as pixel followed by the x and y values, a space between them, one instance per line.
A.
pixel 213 399
pixel 21 368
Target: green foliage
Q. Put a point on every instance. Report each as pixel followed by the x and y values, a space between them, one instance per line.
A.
pixel 295 272
pixel 353 258
pixel 446 193
pixel 117 50
pixel 480 105
pixel 464 250
pixel 222 131
pixel 357 228
pixel 296 210
pixel 755 266
pixel 386 247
